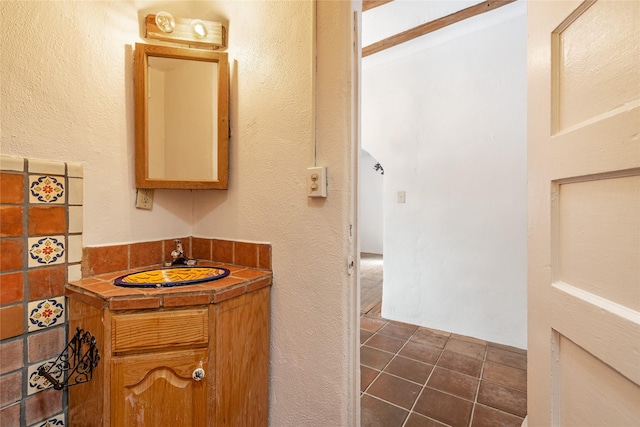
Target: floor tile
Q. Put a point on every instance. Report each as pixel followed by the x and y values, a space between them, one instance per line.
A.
pixel 460 363
pixel 427 337
pixel 364 335
pixel 374 358
pixel 507 348
pixel 503 398
pixel 398 330
pixel 371 324
pixel 443 407
pixel 469 382
pixel 470 339
pixel 385 342
pixel 367 375
pixel 484 416
pixel 395 390
pixel 505 375
pixel 421 352
pixel 409 369
pixel 467 348
pixel 455 383
pixel 417 420
pixel 376 413
pixel 436 331
pixel 509 358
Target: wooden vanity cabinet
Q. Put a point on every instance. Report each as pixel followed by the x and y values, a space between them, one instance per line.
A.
pixel 154 358
pixel 158 390
pixel 148 357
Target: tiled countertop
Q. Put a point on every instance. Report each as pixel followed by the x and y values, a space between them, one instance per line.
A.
pixel 100 291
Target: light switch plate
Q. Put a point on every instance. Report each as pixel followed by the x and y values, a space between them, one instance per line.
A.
pixel 317 181
pixel 402 196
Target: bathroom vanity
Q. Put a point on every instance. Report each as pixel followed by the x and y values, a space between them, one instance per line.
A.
pixel 195 355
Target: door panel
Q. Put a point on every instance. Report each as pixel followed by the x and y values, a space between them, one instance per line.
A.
pixel 577 48
pixel 613 403
pixel 598 238
pixel 584 213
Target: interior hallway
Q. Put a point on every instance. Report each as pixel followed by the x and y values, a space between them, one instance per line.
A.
pixel 370 284
pixel 419 377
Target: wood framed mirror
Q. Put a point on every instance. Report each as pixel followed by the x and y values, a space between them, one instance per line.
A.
pixel 181 118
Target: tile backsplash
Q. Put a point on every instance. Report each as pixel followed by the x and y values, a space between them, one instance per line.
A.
pixel 41 249
pixel 108 259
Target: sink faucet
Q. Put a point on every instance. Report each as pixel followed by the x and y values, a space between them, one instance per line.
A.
pixel 177 255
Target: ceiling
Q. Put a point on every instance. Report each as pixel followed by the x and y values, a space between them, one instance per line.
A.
pixel 394 17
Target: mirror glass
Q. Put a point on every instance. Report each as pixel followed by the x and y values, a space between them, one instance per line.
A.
pixel 181 118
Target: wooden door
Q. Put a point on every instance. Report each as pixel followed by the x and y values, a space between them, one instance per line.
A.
pixel 584 213
pixel 157 389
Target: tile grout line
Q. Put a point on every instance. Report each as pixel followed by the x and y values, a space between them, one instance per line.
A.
pixel 380 372
pixel 475 398
pixel 390 403
pixel 493 382
pixel 427 380
pixel 409 411
pixel 393 357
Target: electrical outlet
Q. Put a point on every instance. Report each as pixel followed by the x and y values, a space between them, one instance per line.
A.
pixel 144 198
pixel 317 181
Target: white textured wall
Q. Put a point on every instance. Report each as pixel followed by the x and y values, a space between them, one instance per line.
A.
pixel 67 94
pixel 370 206
pixel 271 147
pixel 449 125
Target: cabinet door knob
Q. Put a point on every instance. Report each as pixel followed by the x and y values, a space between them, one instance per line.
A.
pixel 198 374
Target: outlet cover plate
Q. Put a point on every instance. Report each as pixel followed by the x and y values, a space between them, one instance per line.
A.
pixel 144 198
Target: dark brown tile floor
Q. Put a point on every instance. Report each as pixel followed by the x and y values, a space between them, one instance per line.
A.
pixel 418 377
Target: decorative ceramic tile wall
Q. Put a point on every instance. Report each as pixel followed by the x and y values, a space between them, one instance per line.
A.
pixel 46 313
pixel 37 382
pixel 57 421
pixel 41 246
pixel 46 250
pixel 46 189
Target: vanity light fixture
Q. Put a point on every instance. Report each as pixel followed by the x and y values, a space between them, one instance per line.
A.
pixel 199 28
pixel 193 32
pixel 165 22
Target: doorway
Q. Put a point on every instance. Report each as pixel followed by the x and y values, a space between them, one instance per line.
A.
pixel 370 223
pixel 370 284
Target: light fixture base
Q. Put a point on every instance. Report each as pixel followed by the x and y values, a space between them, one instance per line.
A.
pixel 215 37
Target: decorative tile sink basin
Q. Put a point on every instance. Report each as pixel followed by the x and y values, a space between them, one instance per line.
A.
pixel 171 276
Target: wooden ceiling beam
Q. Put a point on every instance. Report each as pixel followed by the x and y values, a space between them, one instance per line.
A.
pixel 431 26
pixel 370 4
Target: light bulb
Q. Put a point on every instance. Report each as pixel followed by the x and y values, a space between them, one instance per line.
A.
pixel 165 21
pixel 199 28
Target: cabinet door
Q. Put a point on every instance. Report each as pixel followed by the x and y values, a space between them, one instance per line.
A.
pixel 157 389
